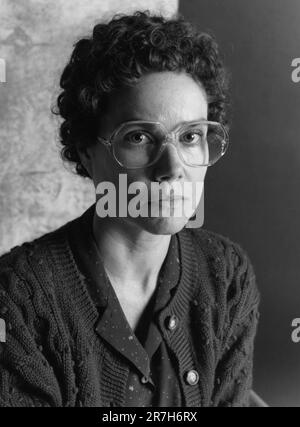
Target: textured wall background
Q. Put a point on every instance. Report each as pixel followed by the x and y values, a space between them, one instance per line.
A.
pixel 37 192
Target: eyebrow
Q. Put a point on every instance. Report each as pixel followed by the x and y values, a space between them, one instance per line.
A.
pixel 146 120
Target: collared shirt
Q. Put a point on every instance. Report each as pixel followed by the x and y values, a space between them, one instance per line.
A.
pixel 153 377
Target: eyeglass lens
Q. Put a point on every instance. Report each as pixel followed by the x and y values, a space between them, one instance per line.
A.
pixel 139 144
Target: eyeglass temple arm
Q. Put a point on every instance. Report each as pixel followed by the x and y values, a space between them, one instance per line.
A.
pixel 103 140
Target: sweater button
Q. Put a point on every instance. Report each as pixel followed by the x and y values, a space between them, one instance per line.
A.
pixel 144 380
pixel 192 377
pixel 172 322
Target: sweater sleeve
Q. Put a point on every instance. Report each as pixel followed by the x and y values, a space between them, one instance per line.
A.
pixel 26 378
pixel 233 380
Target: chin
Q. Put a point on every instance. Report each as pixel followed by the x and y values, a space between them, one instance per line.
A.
pixel 161 225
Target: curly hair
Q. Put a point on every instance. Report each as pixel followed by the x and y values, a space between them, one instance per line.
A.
pixel 117 54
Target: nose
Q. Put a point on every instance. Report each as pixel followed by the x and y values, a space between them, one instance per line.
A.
pixel 169 166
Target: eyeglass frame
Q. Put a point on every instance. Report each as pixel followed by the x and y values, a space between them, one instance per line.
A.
pixel 168 139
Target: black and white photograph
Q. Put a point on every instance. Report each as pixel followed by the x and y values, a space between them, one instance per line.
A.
pixel 160 279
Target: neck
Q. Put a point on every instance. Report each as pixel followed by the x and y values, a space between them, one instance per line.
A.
pixel 132 257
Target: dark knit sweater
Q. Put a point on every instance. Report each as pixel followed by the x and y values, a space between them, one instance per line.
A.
pixel 53 355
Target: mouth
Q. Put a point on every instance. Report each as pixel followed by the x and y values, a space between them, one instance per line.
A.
pixel 171 199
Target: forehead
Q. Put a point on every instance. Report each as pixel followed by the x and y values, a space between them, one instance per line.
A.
pixel 167 97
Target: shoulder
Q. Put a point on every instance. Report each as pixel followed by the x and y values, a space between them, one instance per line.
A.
pixel 23 257
pixel 19 266
pixel 215 243
pixel 230 271
pixel 28 285
pixel 221 249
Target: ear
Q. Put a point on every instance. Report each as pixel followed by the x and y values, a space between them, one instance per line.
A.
pixel 85 158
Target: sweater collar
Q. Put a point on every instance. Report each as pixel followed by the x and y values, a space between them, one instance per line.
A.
pixel 89 261
pixel 81 229
pixel 63 274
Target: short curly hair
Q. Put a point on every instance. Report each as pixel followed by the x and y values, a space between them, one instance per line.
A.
pixel 117 54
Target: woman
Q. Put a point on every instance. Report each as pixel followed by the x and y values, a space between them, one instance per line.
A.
pixel 128 310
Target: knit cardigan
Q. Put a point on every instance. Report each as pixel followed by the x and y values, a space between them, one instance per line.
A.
pixel 53 355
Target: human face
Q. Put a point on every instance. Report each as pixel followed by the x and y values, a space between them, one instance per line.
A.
pixel 169 98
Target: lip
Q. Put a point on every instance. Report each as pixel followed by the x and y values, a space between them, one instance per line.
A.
pixel 171 199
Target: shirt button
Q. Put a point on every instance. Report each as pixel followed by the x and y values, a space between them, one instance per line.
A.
pixel 144 380
pixel 172 322
pixel 192 377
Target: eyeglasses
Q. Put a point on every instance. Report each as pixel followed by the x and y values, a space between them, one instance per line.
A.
pixel 139 144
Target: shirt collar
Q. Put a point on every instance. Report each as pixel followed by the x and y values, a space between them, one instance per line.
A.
pixel 89 261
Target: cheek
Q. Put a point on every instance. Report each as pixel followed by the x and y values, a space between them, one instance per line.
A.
pixel 199 174
pixel 105 168
pixel 195 175
pixel 197 178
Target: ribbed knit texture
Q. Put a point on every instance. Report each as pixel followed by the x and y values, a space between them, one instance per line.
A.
pixel 53 355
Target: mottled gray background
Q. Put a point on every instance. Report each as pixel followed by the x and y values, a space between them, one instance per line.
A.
pixel 38 193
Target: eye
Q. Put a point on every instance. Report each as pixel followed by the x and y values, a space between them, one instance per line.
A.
pixel 138 138
pixel 193 137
